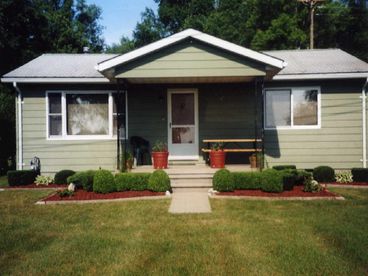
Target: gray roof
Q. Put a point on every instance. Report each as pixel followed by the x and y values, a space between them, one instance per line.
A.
pixel 61 66
pixel 302 63
pixel 319 61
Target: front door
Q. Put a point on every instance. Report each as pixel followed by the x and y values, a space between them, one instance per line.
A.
pixel 183 124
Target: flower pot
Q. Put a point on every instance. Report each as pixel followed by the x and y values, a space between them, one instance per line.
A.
pixel 217 158
pixel 129 164
pixel 160 159
pixel 253 161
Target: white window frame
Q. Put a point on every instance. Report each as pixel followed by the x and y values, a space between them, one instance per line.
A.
pixel 292 89
pixel 64 135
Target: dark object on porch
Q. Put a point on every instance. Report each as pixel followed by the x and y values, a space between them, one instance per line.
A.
pixel 141 150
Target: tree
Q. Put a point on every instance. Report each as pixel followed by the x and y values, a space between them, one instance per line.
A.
pixel 125 45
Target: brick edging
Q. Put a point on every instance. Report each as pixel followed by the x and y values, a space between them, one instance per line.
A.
pixel 278 198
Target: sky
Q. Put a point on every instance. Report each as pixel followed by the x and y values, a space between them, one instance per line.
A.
pixel 119 17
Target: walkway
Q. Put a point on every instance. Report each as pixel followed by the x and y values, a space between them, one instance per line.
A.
pixel 186 201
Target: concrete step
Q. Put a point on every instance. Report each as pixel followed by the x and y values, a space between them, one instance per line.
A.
pixel 186 162
pixel 190 190
pixel 190 176
pixel 191 183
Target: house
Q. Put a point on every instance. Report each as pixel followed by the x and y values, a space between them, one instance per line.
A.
pixel 306 107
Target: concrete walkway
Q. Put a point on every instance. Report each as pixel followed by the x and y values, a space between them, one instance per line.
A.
pixel 185 201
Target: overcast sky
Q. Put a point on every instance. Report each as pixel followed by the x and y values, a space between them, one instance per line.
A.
pixel 119 17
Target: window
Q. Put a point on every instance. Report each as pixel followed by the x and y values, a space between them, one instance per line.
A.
pixel 292 108
pixel 82 115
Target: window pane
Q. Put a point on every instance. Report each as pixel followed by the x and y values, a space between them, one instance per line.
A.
pixel 87 114
pixel 278 108
pixel 182 106
pixel 305 107
pixel 183 135
pixel 54 125
pixel 54 103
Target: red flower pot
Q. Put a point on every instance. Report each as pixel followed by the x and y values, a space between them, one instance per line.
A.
pixel 160 159
pixel 217 158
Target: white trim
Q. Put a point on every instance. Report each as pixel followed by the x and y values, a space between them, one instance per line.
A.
pixel 239 50
pixel 20 127
pixel 320 76
pixel 292 126
pixel 55 80
pixel 194 91
pixel 364 123
pixel 64 135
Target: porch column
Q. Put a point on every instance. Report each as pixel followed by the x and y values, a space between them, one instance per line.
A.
pixel 120 99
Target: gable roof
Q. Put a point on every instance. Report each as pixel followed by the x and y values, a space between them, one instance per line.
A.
pixel 60 67
pixel 191 33
pixel 319 63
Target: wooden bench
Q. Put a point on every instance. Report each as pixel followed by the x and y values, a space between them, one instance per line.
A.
pixel 235 141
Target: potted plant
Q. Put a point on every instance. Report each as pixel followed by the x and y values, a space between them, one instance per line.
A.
pixel 253 160
pixel 160 155
pixel 129 161
pixel 217 156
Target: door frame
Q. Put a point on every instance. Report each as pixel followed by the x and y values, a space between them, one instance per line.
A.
pixel 194 91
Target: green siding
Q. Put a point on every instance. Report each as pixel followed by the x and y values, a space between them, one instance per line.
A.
pixel 338 143
pixel 190 59
pixel 56 155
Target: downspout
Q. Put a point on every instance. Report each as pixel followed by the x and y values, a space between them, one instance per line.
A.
pixel 20 127
pixel 364 119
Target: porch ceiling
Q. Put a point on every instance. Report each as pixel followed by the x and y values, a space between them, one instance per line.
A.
pixel 233 79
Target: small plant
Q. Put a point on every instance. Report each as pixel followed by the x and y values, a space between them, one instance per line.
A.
pixel 159 181
pixel 311 185
pixel 159 147
pixel 44 180
pixel 217 146
pixel 62 176
pixel 223 181
pixel 360 174
pixel 103 182
pixel 65 193
pixel 324 174
pixel 344 177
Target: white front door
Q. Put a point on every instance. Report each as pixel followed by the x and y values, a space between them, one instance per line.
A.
pixel 183 124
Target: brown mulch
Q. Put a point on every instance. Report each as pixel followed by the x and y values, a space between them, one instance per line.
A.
pixel 296 192
pixel 34 186
pixel 84 195
pixel 351 183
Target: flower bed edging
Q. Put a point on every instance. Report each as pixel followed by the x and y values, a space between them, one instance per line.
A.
pixel 352 186
pixel 276 198
pixel 35 187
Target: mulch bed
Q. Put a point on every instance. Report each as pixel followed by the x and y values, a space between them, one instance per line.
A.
pixel 84 195
pixel 351 183
pixel 34 186
pixel 296 192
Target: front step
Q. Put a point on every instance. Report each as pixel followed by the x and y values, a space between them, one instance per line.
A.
pixel 191 182
pixel 186 162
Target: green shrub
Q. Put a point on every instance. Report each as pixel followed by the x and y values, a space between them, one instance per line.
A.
pixel 272 181
pixel 246 180
pixel 223 181
pixel 360 174
pixel 302 175
pixel 159 181
pixel 44 180
pixel 132 181
pixel 82 180
pixel 311 185
pixel 344 177
pixel 103 182
pixel 61 177
pixel 284 167
pixel 324 174
pixel 288 182
pixel 25 177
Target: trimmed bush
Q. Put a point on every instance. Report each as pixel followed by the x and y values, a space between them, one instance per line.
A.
pixel 302 175
pixel 272 181
pixel 246 180
pixel 24 177
pixel 360 174
pixel 61 177
pixel 82 180
pixel 324 174
pixel 159 181
pixel 284 167
pixel 288 182
pixel 223 181
pixel 103 182
pixel 132 181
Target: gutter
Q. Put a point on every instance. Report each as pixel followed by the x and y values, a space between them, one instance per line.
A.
pixel 364 122
pixel 20 127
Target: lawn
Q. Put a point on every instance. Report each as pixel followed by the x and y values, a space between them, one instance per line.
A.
pixel 141 237
pixel 3 181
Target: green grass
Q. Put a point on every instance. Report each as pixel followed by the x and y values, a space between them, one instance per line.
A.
pixel 141 237
pixel 3 181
